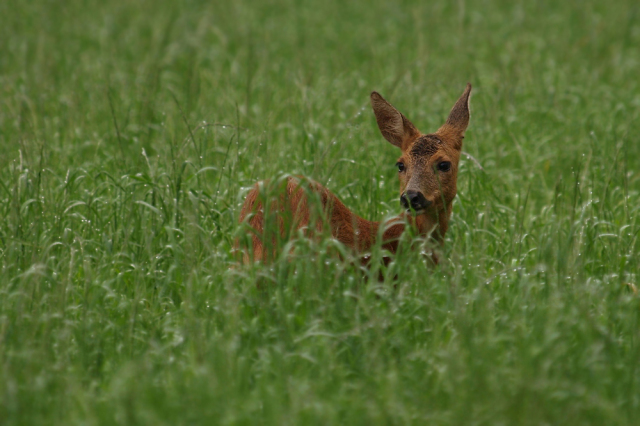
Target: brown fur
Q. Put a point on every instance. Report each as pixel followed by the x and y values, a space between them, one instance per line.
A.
pixel 421 155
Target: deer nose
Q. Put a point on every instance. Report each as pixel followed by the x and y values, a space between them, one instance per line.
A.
pixel 414 199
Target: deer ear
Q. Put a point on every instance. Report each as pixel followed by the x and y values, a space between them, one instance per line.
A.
pixel 458 119
pixel 394 126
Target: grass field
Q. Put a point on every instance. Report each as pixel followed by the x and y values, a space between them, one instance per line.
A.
pixel 130 130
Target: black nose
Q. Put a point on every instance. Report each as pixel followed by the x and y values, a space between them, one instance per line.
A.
pixel 414 199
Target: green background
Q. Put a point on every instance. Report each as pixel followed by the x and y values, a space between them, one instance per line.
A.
pixel 130 131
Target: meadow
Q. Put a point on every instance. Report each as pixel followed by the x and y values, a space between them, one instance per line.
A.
pixel 131 130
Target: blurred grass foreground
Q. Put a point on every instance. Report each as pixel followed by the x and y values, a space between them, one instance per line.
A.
pixel 131 130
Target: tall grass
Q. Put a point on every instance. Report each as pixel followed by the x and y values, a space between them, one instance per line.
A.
pixel 130 132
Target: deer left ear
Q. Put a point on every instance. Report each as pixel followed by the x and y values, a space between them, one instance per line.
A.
pixel 394 126
pixel 458 120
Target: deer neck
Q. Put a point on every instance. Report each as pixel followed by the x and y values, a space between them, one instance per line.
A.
pixel 435 224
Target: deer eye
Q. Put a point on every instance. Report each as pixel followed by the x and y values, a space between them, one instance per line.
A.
pixel 444 166
pixel 400 166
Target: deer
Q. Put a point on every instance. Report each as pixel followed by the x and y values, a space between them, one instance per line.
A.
pixel 427 171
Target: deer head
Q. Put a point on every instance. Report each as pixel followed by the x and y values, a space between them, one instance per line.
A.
pixel 428 166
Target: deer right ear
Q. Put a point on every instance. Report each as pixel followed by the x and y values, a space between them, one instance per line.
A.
pixel 458 119
pixel 394 126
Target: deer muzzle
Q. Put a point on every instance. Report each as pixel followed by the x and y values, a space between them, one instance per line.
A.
pixel 414 200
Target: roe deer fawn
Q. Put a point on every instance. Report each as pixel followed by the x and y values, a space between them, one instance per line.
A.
pixel 428 170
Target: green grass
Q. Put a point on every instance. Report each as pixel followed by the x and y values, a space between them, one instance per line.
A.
pixel 130 130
